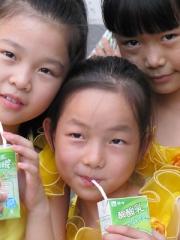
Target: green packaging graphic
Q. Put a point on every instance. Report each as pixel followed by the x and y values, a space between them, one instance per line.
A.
pixel 131 211
pixel 9 183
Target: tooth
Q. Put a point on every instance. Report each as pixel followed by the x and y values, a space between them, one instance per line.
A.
pixel 11 100
pixel 8 98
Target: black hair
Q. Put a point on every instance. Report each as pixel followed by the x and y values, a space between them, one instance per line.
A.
pixel 132 17
pixel 110 74
pixel 71 13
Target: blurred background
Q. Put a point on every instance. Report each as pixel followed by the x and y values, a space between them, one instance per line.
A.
pixel 96 26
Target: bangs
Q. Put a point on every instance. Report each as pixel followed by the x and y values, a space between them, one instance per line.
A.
pixel 132 17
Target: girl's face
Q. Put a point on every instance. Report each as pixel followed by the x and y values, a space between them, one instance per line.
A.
pixel 98 138
pixel 158 55
pixel 33 62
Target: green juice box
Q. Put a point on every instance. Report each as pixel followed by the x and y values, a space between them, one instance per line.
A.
pixel 130 211
pixel 9 183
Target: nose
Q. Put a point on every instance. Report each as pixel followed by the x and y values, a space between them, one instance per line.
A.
pixel 154 57
pixel 21 79
pixel 94 157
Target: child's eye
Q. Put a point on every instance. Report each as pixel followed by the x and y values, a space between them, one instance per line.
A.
pixel 9 54
pixel 46 71
pixel 132 43
pixel 77 135
pixel 117 141
pixel 169 37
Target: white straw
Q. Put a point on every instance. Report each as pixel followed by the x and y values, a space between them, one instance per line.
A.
pixel 100 189
pixel 3 139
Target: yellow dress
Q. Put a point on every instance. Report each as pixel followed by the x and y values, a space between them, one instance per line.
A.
pixel 161 169
pixel 161 193
pixel 76 229
pixel 14 229
pixel 158 157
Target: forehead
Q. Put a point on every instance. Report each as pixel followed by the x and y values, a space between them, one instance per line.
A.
pixel 47 36
pixel 102 104
pixel 30 21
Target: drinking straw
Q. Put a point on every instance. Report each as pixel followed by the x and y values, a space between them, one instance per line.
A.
pixel 100 189
pixel 3 139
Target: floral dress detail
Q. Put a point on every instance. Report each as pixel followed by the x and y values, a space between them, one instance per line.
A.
pixel 157 157
pixel 52 182
pixel 162 194
pixel 76 229
pixel 161 170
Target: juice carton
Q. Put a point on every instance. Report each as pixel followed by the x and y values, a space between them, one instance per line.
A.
pixel 130 211
pixel 9 183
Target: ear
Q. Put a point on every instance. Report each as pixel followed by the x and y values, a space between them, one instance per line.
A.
pixel 145 146
pixel 47 132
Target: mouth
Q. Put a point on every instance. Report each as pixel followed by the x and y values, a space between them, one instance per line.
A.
pixel 12 99
pixel 90 179
pixel 161 78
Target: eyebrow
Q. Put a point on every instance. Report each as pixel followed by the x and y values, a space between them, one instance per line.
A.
pixel 47 60
pixel 121 127
pixel 77 122
pixel 54 62
pixel 14 44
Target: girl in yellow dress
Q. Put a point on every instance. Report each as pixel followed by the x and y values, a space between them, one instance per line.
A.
pixel 100 126
pixel 148 34
pixel 150 37
pixel 39 41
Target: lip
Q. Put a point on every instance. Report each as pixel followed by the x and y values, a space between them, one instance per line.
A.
pixel 88 182
pixel 11 101
pixel 161 78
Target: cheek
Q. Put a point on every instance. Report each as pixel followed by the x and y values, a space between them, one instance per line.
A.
pixel 124 168
pixel 64 160
pixel 132 58
pixel 43 98
pixel 50 92
pixel 61 162
pixel 137 58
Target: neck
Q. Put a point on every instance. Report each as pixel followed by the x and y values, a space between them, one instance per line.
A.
pixel 89 212
pixel 167 115
pixel 169 100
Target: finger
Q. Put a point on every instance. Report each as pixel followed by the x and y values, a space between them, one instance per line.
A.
pixel 17 139
pixel 1 208
pixel 117 52
pixel 99 51
pixel 32 174
pixel 123 230
pixel 129 232
pixel 3 197
pixel 31 169
pixel 109 236
pixel 157 235
pixel 26 153
pixel 107 47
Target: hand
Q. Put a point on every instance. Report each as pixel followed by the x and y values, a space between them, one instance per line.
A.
pixel 107 49
pixel 127 233
pixel 3 197
pixel 30 183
